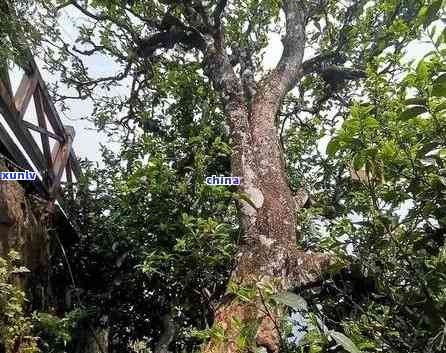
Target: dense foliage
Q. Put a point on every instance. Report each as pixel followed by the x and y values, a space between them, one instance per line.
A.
pixel 15 324
pixel 385 214
pixel 156 236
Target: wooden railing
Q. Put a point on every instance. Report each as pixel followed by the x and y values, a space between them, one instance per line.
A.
pixel 49 162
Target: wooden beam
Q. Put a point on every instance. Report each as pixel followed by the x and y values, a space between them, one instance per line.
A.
pixel 19 158
pixel 23 135
pixel 70 132
pixel 61 153
pixel 24 93
pixel 5 96
pixel 56 156
pixel 75 167
pixel 4 77
pixel 11 148
pixel 50 109
pixel 68 173
pixel 44 135
pixel 43 131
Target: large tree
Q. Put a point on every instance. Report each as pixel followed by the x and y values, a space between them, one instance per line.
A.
pixel 225 41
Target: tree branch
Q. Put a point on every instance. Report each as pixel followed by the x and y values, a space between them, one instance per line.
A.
pixel 103 17
pixel 146 47
pixel 218 13
pixel 288 71
pixel 314 64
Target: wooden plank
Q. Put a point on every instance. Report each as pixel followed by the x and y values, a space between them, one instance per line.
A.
pixel 6 97
pixel 13 111
pixel 44 136
pixel 4 77
pixel 14 152
pixel 18 157
pixel 68 173
pixel 23 135
pixel 42 124
pixel 57 174
pixel 70 132
pixel 50 109
pixel 24 93
pixel 61 153
pixel 75 167
pixel 42 131
pixel 53 119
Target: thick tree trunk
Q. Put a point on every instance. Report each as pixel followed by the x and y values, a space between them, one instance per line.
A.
pixel 267 255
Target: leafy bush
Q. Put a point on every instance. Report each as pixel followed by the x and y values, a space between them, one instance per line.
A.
pixel 15 325
pixel 55 334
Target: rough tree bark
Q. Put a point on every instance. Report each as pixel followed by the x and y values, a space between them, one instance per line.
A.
pixel 268 250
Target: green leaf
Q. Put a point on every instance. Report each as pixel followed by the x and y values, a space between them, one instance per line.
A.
pixel 415 101
pixel 441 179
pixel 426 148
pixel 333 146
pixel 440 107
pixel 371 123
pixel 441 38
pixel 352 126
pixel 322 326
pixel 358 161
pixel 423 12
pixel 439 86
pixel 412 112
pixel 292 300
pixel 344 341
pixel 389 149
pixel 439 90
pixel 422 70
pixel 433 12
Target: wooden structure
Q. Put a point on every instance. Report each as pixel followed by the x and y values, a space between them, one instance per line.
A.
pixel 49 163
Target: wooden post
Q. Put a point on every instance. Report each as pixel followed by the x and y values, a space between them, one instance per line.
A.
pixel 14 121
pixel 68 172
pixel 44 137
pixel 61 153
pixel 24 93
